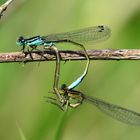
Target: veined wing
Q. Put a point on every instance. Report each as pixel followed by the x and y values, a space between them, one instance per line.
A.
pixel 90 35
pixel 116 112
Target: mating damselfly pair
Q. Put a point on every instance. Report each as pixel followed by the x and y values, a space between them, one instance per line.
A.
pixel 66 95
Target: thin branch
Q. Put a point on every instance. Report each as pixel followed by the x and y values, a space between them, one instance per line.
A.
pixel 4 7
pixel 123 54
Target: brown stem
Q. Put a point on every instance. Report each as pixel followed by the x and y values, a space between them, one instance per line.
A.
pixel 4 6
pixel 108 54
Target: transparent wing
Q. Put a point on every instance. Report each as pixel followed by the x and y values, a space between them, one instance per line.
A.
pixel 88 35
pixel 116 112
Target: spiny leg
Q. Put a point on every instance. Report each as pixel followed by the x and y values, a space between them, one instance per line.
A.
pixel 76 95
pixel 51 98
pixel 40 53
pixel 30 52
pixel 35 48
pixel 66 106
pixel 23 48
pixel 74 105
pixel 56 104
pixel 63 106
pixel 26 53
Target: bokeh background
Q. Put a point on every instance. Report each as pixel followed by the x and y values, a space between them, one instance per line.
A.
pixel 23 110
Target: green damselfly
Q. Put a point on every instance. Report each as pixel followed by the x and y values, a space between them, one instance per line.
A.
pixel 73 98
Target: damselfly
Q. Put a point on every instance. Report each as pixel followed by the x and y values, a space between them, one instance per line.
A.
pixel 73 98
pixel 119 113
pixel 90 35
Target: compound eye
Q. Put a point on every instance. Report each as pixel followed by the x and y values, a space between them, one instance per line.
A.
pixel 63 87
pixel 21 39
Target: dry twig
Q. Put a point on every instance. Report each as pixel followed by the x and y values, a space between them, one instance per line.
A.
pixel 109 54
pixel 4 7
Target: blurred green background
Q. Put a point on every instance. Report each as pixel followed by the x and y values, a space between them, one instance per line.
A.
pixel 22 88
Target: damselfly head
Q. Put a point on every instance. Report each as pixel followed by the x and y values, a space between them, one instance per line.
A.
pixel 21 41
pixel 63 87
